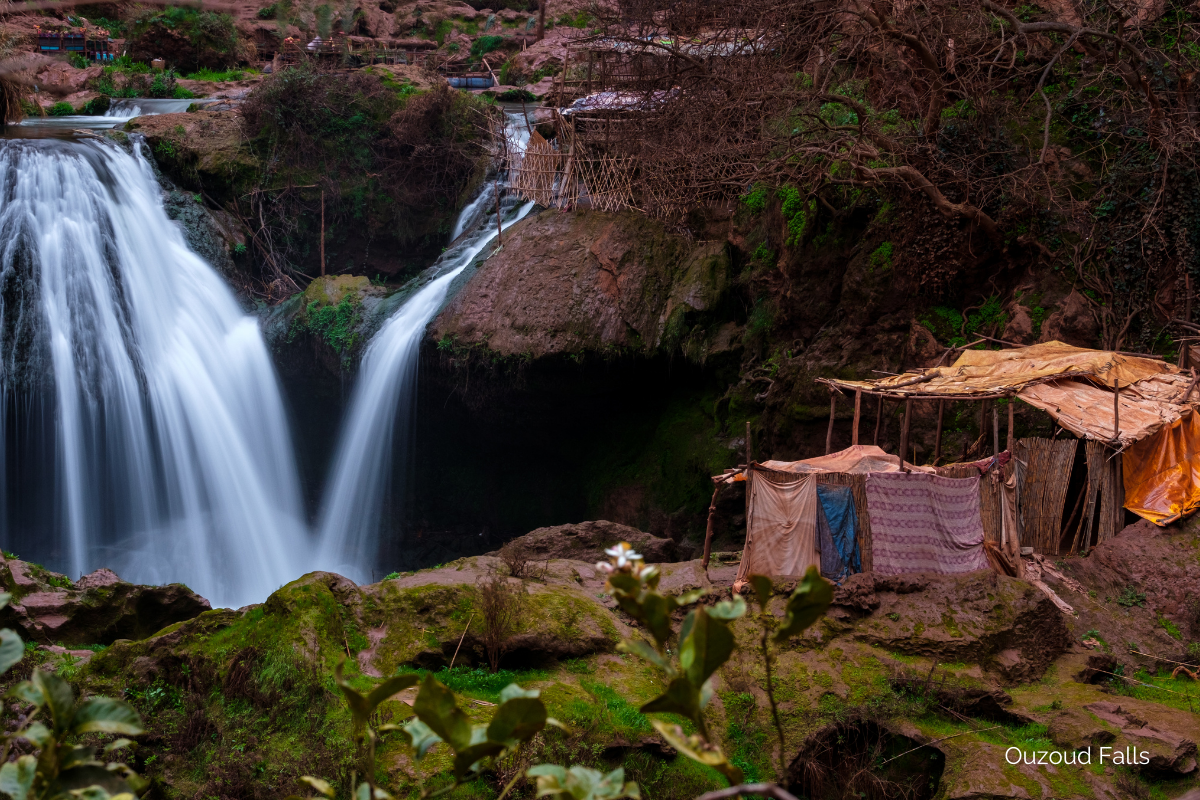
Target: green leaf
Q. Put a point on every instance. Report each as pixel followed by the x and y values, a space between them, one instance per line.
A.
pixel 697 749
pixel 84 777
pixel 58 697
pixel 105 715
pixel 517 720
pixel 436 707
pixel 687 598
pixel 646 651
pixel 360 710
pixel 16 777
pixel 99 793
pixel 117 744
pixel 656 614
pixel 582 783
pixel 764 587
pixel 681 697
pixel 468 758
pixel 321 786
pixel 728 610
pixel 806 605
pixel 5 599
pixel 364 793
pixel 421 737
pixel 26 692
pixel 77 757
pixel 513 691
pixel 391 686
pixel 11 649
pixel 705 644
pixel 38 734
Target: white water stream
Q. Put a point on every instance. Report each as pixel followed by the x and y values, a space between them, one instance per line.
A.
pixel 127 356
pixel 382 405
pixel 173 460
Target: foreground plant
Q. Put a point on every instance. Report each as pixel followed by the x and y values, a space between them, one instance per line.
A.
pixel 705 643
pixel 61 770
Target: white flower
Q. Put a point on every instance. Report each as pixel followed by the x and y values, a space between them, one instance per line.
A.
pixel 623 555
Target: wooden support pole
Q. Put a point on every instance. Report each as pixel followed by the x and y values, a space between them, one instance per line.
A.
pixel 904 432
pixel 1012 435
pixel 541 34
pixel 829 432
pixel 937 440
pixel 878 419
pixel 708 533
pixel 322 232
pixel 857 416
pixel 1116 412
pixel 749 446
pixel 995 431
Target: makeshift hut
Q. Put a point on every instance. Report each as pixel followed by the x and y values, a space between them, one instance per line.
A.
pixel 1135 416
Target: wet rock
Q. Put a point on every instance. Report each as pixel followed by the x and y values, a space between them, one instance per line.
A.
pixel 600 281
pixel 1168 750
pixel 587 541
pixel 1020 327
pixel 98 609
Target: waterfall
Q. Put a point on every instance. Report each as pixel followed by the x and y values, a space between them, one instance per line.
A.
pixel 172 460
pixel 382 403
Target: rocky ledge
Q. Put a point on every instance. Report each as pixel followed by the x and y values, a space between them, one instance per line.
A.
pixel 99 608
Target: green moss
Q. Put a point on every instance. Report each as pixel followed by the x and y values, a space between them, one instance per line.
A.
pixel 951 625
pixel 796 210
pixel 336 325
pixel 881 258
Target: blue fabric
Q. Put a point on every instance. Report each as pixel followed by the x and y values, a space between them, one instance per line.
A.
pixel 837 532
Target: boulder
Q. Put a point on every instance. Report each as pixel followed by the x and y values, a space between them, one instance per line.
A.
pixel 1002 623
pixel 1020 325
pixel 587 541
pixel 1072 322
pixel 97 609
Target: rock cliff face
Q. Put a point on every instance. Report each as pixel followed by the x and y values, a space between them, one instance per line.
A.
pixel 571 283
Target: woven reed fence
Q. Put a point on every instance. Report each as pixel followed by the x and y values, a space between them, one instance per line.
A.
pixel 1103 500
pixel 1044 491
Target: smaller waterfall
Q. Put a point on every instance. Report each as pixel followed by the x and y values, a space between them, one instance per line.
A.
pixel 381 407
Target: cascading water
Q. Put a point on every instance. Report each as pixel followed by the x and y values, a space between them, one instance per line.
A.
pixel 172 460
pixel 382 403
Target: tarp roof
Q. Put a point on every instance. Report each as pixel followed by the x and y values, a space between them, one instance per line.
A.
pixel 1072 384
pixel 855 459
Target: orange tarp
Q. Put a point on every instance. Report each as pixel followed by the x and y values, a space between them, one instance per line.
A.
pixel 1162 472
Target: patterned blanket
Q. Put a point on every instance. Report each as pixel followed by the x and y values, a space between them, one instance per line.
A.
pixel 925 523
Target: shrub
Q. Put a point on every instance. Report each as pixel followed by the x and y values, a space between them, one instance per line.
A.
pixel 61 109
pixel 518 558
pixel 485 44
pixel 500 607
pixel 97 106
